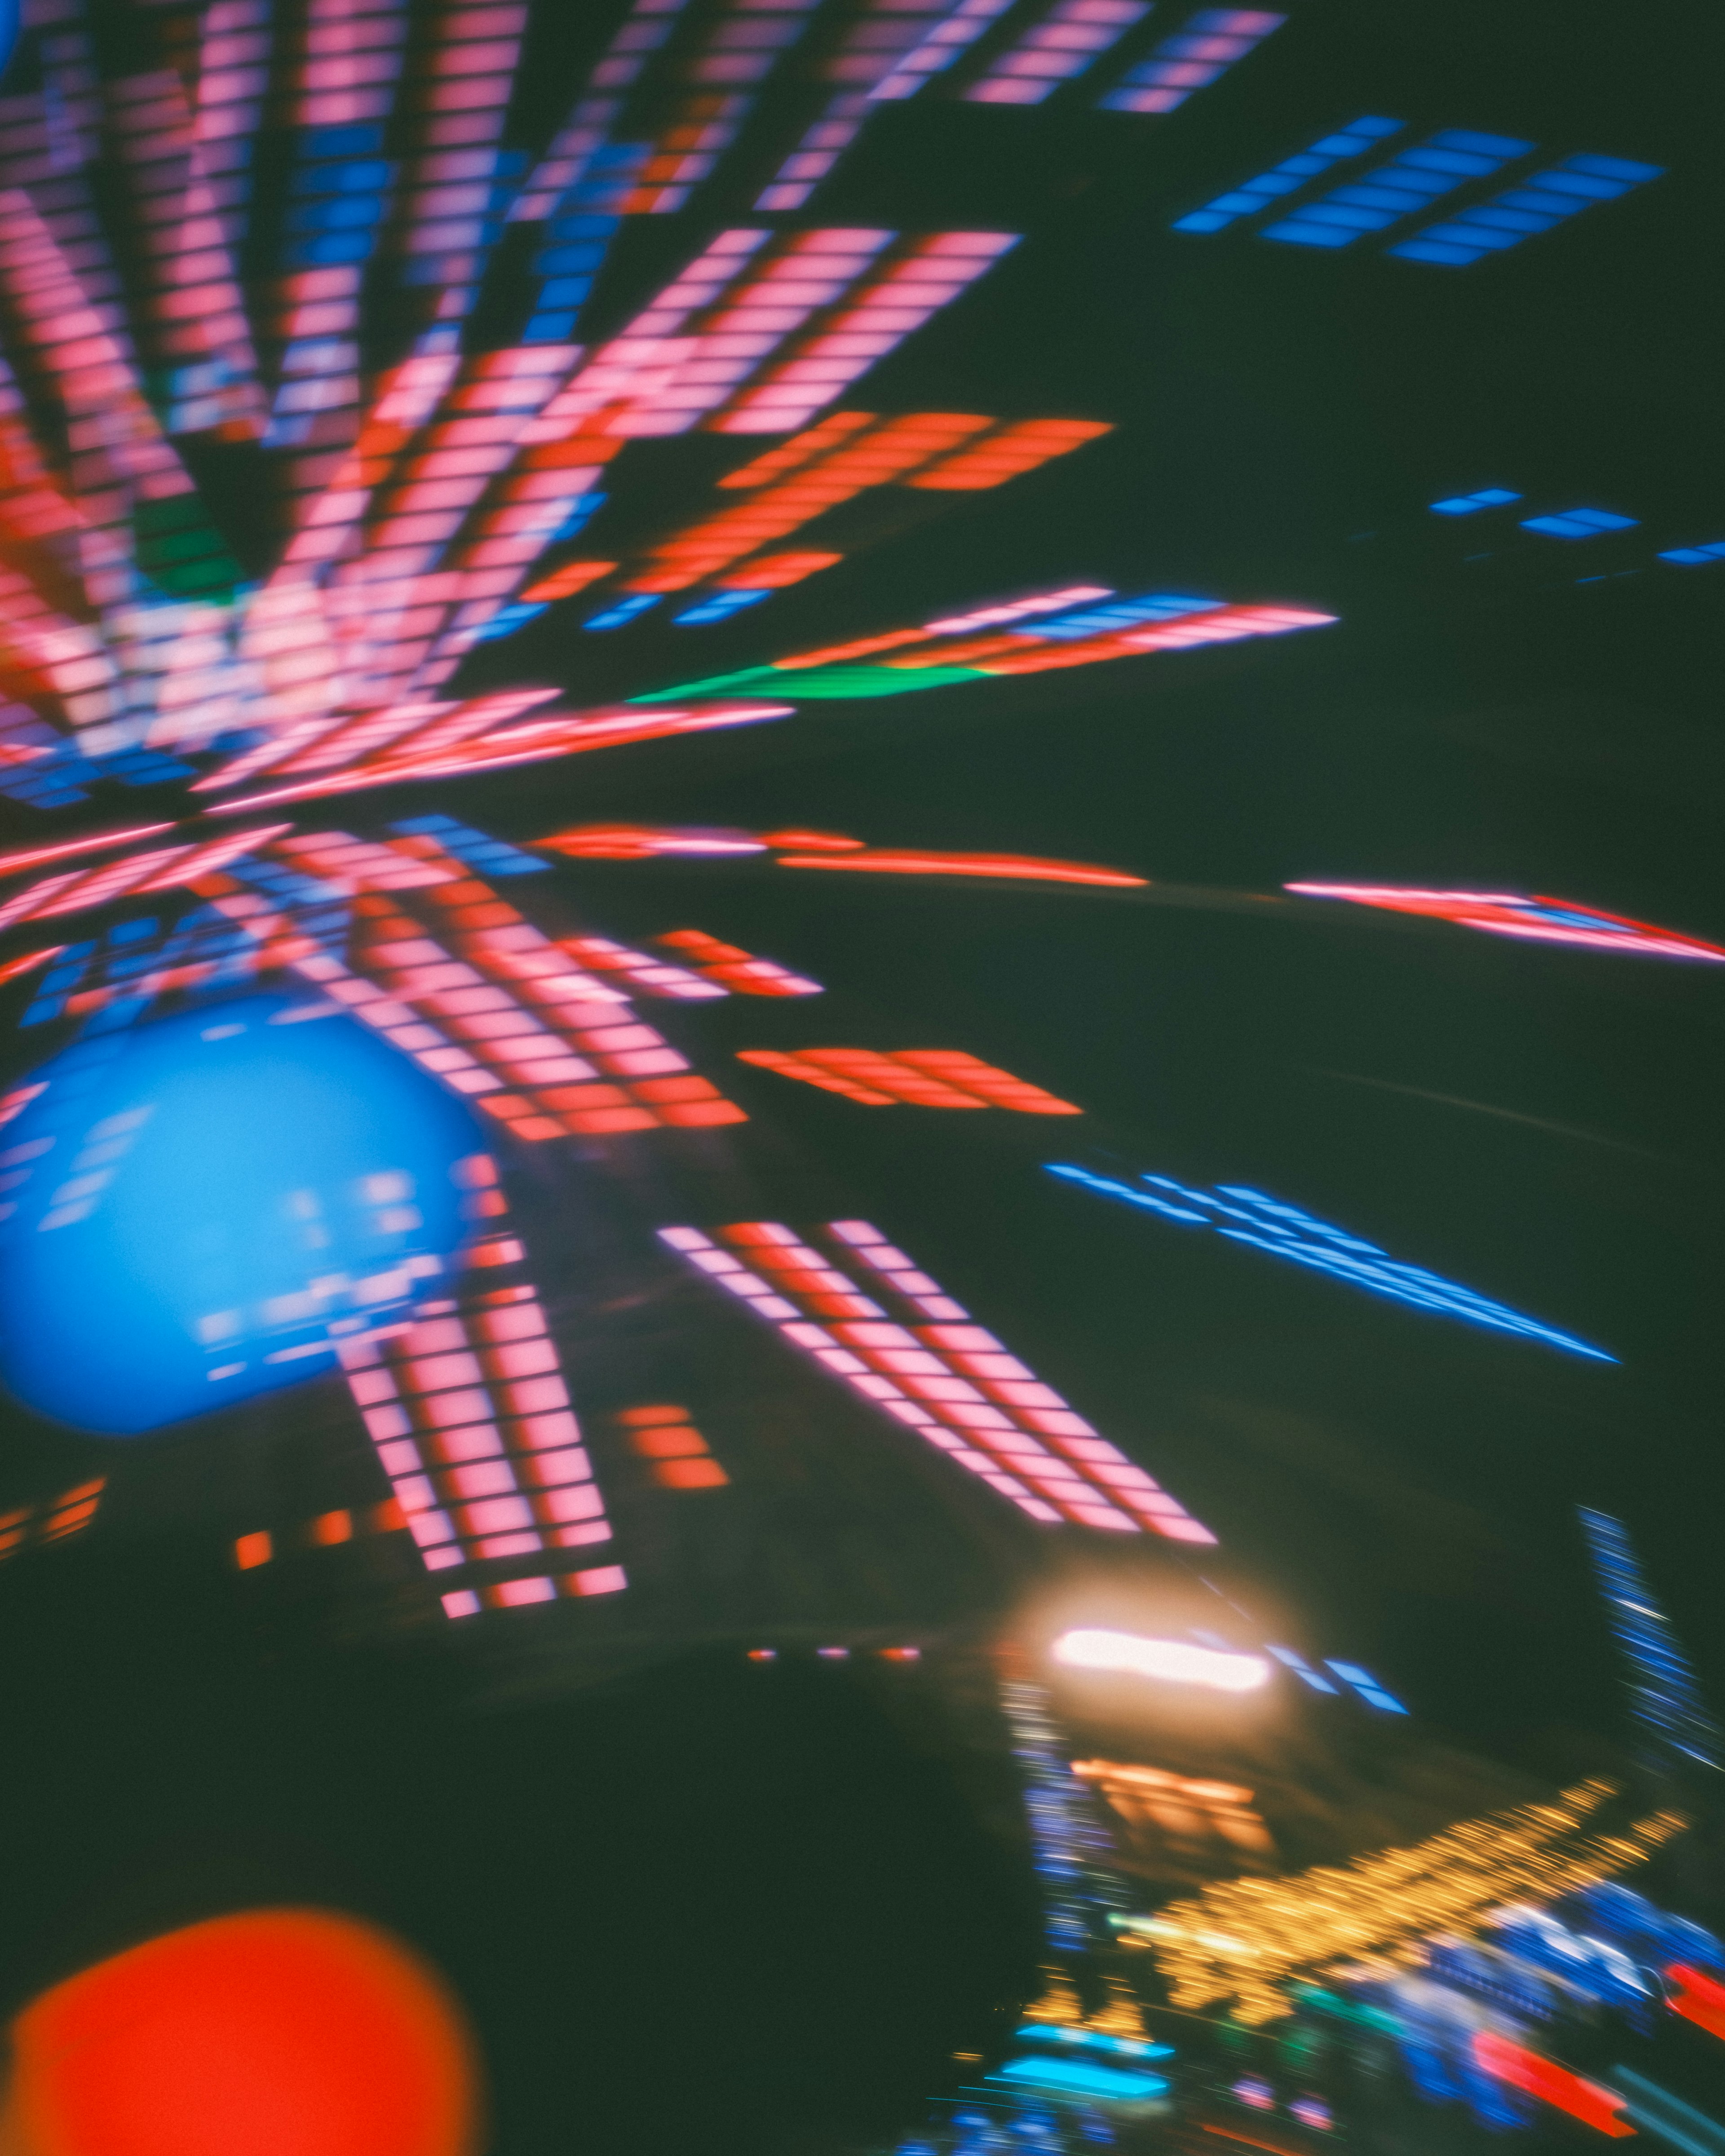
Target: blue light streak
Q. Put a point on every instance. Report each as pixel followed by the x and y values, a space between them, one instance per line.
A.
pixel 1664 1699
pixel 1538 202
pixel 1367 1687
pixel 1089 2040
pixel 1579 523
pixel 1470 505
pixel 1306 1240
pixel 1082 2078
pixel 1354 141
pixel 1398 189
pixel 1689 558
pixel 624 610
pixel 719 608
pixel 1303 1669
pixel 1116 614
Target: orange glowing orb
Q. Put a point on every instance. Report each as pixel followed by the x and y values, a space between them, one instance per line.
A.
pixel 281 2032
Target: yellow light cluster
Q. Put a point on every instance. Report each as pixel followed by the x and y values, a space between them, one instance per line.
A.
pixel 1243 1940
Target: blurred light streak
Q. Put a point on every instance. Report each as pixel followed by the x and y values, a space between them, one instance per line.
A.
pixel 1403 187
pixel 734 969
pixel 1303 1669
pixel 1535 920
pixel 1072 36
pixel 1286 178
pixel 631 842
pixel 928 1078
pixel 33 856
pixel 1593 2105
pixel 526 744
pixel 1024 868
pixel 1697 1997
pixel 1579 523
pixel 1666 1699
pixel 949 1380
pixel 1175 1662
pixel 1284 1231
pixel 1207 45
pixel 1536 203
pixel 1657 2112
pixel 1470 505
pixel 1367 1687
pixel 31 1527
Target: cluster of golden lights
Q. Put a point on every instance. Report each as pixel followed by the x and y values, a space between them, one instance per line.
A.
pixel 1242 1940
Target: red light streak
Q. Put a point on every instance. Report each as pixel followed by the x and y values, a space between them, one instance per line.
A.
pixel 1698 1998
pixel 928 1078
pixel 1553 2084
pixel 11 863
pixel 1021 868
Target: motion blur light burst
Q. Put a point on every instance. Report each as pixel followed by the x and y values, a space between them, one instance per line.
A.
pixel 1175 1660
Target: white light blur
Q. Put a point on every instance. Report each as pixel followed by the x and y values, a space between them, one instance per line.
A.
pixel 1176 1660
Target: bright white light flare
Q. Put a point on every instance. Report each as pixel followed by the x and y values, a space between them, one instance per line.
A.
pixel 1176 1660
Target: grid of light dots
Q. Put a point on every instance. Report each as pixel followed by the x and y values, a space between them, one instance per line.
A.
pixel 1072 36
pixel 1401 188
pixel 1530 920
pixel 1284 1231
pixel 924 1078
pixel 679 1457
pixel 948 1379
pixel 521 1027
pixel 1291 175
pixel 1246 1938
pixel 471 1420
pixel 1535 205
pixel 1208 44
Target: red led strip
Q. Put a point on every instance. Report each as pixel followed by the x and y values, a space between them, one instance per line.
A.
pixel 928 1078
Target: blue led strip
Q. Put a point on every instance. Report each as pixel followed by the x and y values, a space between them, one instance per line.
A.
pixel 1693 557
pixel 1664 1699
pixel 1284 1231
pixel 624 610
pixel 1116 614
pixel 719 608
pixel 1470 505
pixel 1579 523
pixel 580 231
pixel 1543 200
pixel 1354 141
pixel 1401 188
pixel 1367 1687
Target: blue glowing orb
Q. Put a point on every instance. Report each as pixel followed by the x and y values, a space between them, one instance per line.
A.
pixel 198 1210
